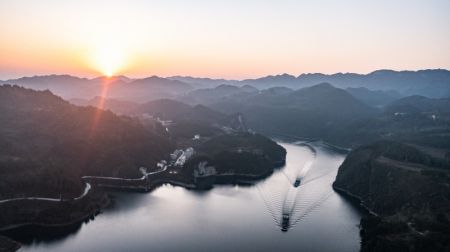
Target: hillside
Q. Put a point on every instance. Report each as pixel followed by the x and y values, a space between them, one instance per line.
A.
pixel 413 119
pixel 185 121
pixel 375 98
pixel 420 104
pixel 233 157
pixel 407 186
pixel 150 88
pixel 312 112
pixel 47 144
pixel 115 105
pixel 207 96
pixel 404 178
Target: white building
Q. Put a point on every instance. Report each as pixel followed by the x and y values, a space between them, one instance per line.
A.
pixel 185 155
pixel 204 171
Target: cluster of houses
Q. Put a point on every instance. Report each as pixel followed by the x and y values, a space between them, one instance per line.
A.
pixel 179 157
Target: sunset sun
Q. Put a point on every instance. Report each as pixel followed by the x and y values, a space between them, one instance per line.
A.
pixel 109 60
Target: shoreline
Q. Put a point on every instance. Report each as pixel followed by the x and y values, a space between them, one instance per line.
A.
pixel 355 197
pixel 77 220
pixel 237 179
pixel 220 179
pixel 91 205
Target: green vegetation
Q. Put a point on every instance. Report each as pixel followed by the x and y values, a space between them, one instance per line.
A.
pixel 47 145
pixel 407 188
pixel 239 154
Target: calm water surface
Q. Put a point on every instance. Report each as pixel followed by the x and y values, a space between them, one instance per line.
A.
pixel 229 218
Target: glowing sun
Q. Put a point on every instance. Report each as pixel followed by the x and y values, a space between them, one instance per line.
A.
pixel 109 59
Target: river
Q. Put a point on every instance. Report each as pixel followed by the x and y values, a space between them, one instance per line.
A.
pixel 228 218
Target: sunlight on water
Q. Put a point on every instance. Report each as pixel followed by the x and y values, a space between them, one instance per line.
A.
pixel 229 218
pixel 293 193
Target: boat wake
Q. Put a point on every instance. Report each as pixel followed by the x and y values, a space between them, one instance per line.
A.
pixel 299 189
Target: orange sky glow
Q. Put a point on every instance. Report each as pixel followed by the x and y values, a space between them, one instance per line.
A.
pixel 221 39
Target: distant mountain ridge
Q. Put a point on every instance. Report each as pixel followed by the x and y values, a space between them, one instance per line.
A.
pixel 311 112
pixel 120 87
pixel 430 82
pixel 433 83
pixel 333 114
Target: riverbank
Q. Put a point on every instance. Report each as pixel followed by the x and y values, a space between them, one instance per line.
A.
pixel 17 219
pixel 17 214
pixel 405 190
pixel 240 159
pixel 210 219
pixel 144 185
pixel 355 198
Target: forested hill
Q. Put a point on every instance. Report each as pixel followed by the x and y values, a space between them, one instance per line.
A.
pixel 47 144
pixel 407 186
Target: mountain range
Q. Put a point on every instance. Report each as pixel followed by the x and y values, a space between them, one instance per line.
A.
pixel 430 82
pixel 121 87
pixel 348 117
pixel 397 123
pixel 434 83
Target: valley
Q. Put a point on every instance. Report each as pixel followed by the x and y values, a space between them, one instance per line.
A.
pixel 209 137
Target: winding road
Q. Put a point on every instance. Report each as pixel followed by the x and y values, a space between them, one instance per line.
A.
pixel 86 190
pixel 87 187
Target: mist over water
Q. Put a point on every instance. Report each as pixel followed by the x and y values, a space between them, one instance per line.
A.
pixel 230 218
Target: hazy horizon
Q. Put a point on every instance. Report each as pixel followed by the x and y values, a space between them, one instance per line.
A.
pixel 218 77
pixel 232 39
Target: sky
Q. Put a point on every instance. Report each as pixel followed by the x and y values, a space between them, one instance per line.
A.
pixel 234 39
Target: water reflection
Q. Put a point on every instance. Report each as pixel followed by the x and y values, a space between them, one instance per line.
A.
pixel 229 218
pixel 301 186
